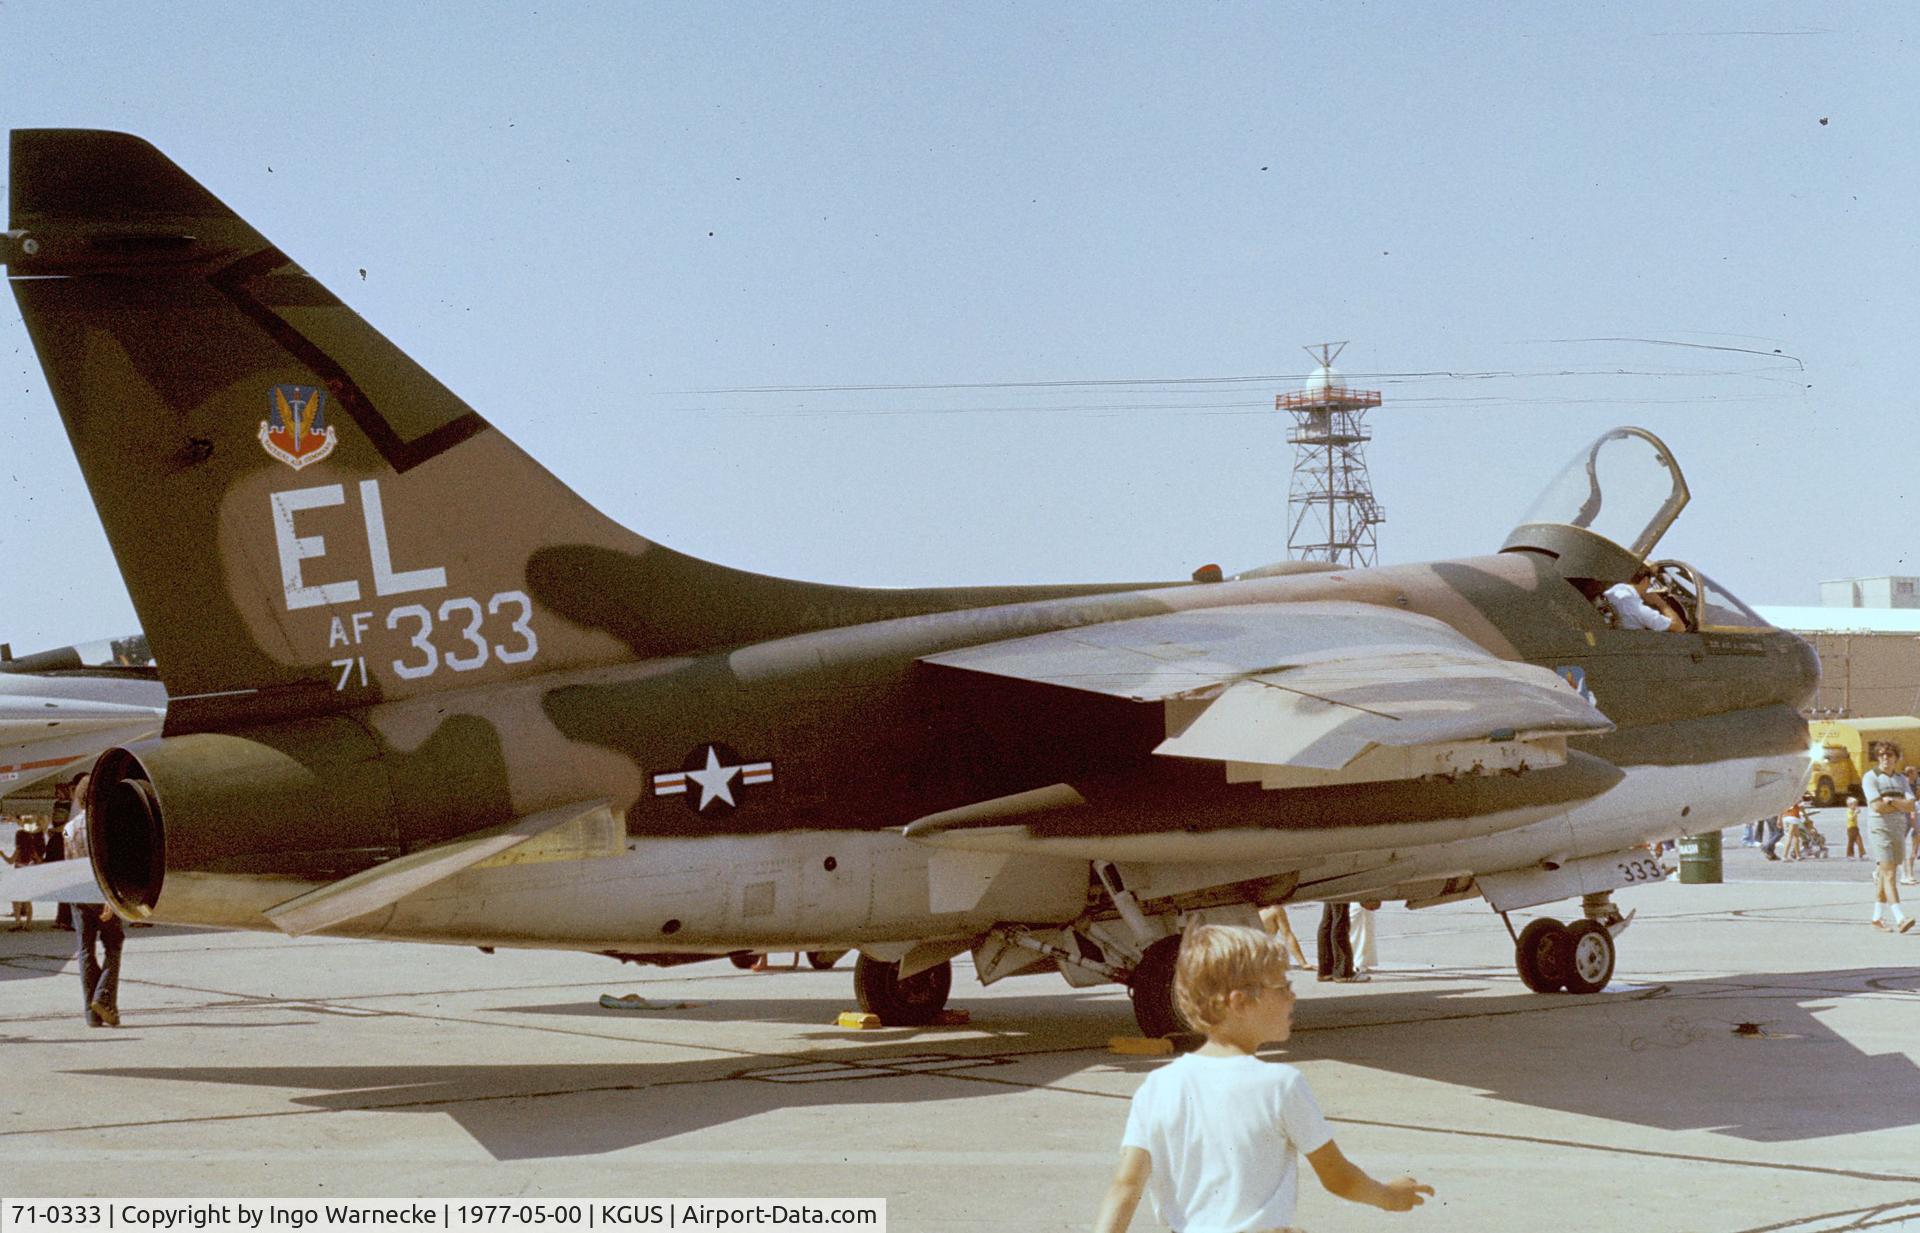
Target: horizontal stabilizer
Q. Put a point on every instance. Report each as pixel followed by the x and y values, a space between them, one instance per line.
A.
pixel 69 881
pixel 386 884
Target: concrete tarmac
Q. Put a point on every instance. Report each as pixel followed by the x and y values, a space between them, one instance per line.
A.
pixel 1751 1068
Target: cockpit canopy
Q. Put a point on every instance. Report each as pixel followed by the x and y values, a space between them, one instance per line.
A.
pixel 1602 515
pixel 1604 512
pixel 131 651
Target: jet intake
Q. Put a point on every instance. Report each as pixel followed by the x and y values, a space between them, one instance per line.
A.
pixel 213 828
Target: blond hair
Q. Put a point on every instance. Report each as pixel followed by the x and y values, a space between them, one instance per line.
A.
pixel 1216 960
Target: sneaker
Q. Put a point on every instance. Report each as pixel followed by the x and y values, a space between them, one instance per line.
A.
pixel 108 1015
pixel 1905 925
pixel 1881 925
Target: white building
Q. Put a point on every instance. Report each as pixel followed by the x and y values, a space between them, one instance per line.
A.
pixel 1892 591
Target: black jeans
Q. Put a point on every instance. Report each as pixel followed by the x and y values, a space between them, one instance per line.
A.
pixel 1335 944
pixel 99 976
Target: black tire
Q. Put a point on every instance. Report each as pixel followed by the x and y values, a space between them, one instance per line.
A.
pixel 912 1002
pixel 1823 795
pixel 1151 988
pixel 743 959
pixel 1589 957
pixel 1544 955
pixel 822 960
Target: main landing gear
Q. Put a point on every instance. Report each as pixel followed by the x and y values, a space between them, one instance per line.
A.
pixel 912 1002
pixel 1578 957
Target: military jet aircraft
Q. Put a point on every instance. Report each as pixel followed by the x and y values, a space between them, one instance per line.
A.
pixel 420 690
pixel 60 708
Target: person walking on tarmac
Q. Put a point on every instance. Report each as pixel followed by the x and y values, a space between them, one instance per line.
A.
pixel 1854 842
pixel 1891 809
pixel 101 932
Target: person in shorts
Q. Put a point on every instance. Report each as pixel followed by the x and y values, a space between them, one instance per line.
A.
pixel 1890 812
pixel 1796 819
pixel 1213 1136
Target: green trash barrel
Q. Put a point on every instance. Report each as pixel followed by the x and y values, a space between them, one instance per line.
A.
pixel 1700 857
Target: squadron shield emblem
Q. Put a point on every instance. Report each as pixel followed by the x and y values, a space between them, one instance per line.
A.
pixel 295 430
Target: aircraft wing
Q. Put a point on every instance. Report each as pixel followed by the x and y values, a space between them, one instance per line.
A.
pixel 1310 692
pixel 68 881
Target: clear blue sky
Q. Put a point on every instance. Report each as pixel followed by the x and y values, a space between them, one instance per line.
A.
pixel 604 224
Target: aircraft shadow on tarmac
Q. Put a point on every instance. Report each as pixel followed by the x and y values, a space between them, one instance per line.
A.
pixel 1670 1057
pixel 1748 1055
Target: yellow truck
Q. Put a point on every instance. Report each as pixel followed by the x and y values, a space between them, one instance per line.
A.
pixel 1842 752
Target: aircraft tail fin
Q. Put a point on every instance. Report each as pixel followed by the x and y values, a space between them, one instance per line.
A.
pixel 305 518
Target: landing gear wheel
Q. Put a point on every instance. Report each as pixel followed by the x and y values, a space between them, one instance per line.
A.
pixel 821 960
pixel 1544 955
pixel 1151 988
pixel 743 959
pixel 1590 957
pixel 912 1002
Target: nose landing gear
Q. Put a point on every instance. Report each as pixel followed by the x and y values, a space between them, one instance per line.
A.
pixel 1151 988
pixel 1579 958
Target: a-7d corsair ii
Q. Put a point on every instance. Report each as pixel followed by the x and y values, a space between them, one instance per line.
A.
pixel 421 691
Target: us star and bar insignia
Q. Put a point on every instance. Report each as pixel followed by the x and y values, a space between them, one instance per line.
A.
pixel 712 770
pixel 296 429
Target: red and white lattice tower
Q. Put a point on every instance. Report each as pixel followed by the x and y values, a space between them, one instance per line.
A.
pixel 1331 510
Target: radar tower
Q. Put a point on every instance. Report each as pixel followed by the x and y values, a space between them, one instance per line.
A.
pixel 1330 507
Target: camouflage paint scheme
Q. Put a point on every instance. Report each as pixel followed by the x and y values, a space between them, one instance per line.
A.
pixel 415 678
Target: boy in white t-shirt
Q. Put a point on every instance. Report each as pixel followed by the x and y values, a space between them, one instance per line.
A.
pixel 1212 1136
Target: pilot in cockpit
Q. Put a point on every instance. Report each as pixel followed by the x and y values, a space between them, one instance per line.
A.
pixel 1644 604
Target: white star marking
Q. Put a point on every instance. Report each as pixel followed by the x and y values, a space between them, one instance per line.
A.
pixel 714 780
